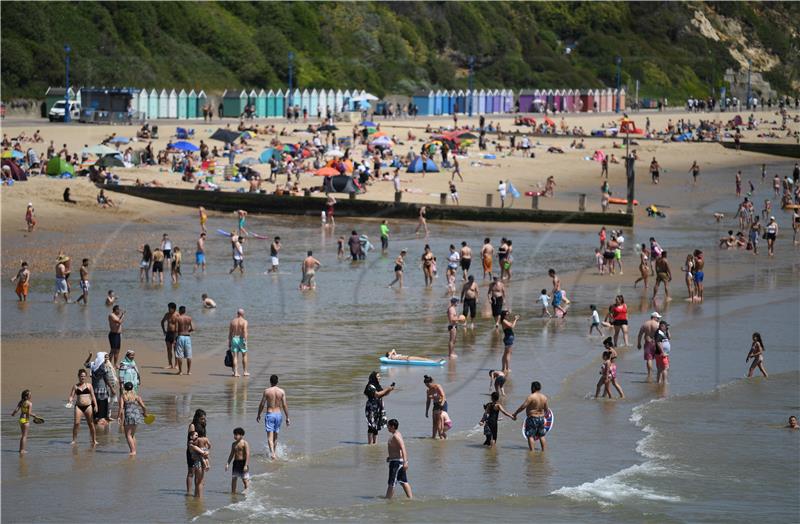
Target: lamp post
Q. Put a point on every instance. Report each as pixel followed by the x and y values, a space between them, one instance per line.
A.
pixel 618 60
pixel 749 91
pixel 67 108
pixel 471 83
pixel 291 72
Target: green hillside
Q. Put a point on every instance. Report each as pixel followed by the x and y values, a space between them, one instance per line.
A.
pixel 389 47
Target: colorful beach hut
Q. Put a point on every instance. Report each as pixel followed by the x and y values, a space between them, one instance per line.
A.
pixel 201 102
pixel 331 101
pixel 322 102
pixel 497 101
pixel 338 101
pixel 622 100
pixel 526 97
pixel 144 103
pixel 191 105
pixel 233 102
pixel 313 103
pixel 182 104
pixel 424 102
pixel 172 104
pixel 305 100
pixel 437 103
pixel 487 109
pixel 163 104
pixel 261 104
pixel 460 105
pixel 481 108
pixel 280 103
pixel 270 103
pixel 152 104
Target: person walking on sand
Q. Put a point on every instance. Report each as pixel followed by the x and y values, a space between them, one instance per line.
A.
pixel 132 412
pixel 399 267
pixel 309 269
pixel 647 333
pixel 22 280
pixel 452 327
pixel 695 171
pixel 30 217
pixel 502 190
pixel 535 408
pixel 26 415
pixel 274 398
pixel 423 222
pixel 201 211
pixel 398 461
pixel 240 455
pixel 183 343
pixel 664 276
pixel 374 410
pixel 237 341
pixel 81 396
pixel 757 355
pixel 436 396
pixel 115 320
pixel 487 255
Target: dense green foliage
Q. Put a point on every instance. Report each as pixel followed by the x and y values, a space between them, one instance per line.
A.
pixel 386 47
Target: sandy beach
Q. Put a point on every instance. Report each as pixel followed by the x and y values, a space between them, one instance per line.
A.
pixel 324 344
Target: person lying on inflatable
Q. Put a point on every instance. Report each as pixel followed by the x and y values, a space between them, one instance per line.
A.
pixel 394 355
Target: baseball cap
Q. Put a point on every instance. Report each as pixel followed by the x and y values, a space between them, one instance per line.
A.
pixel 655 314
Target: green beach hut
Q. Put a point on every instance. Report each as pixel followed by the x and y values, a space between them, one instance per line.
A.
pixel 191 104
pixel 182 97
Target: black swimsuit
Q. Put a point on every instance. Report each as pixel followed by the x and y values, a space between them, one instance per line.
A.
pixel 78 393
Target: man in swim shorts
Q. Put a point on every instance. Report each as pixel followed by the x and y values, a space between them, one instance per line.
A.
pixel 183 344
pixel 535 407
pixel 663 275
pixel 699 264
pixel 469 297
pixel 237 341
pixel 169 326
pixel 274 250
pixel 274 398
pixel 497 292
pixel 61 282
pixel 200 253
pixel 466 260
pixel 309 268
pixel 397 460
pixel 115 319
pixel 648 332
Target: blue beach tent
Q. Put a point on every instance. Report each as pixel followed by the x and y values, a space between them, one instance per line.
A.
pixel 416 166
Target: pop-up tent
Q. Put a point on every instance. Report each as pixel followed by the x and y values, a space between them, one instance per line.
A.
pixel 416 166
pixel 339 184
pixel 58 166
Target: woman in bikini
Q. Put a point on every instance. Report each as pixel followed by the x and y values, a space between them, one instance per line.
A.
pixel 436 395
pixel 620 316
pixel 644 266
pixel 82 394
pixel 427 265
pixel 757 354
pixel 399 266
pixel 688 269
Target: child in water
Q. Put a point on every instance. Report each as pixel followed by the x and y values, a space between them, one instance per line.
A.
pixel 26 415
pixel 491 411
pixel 111 298
pixel 340 248
pixel 544 300
pixel 595 321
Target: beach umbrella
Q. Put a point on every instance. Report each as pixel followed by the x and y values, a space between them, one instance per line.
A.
pixel 467 136
pixel 269 153
pixel 114 160
pixel 119 140
pixel 100 150
pixel 365 97
pixel 185 146
pixel 248 161
pixel 367 123
pixel 225 135
pixel 327 127
pixel 382 141
pixel 327 171
pixel 334 153
pixel 13 154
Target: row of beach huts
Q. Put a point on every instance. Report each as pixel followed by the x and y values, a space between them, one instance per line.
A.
pixel 152 104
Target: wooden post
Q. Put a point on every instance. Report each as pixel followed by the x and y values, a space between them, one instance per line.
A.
pixel 582 202
pixel 535 201
pixel 398 196
pixel 489 199
pixel 443 199
pixel 307 192
pixel 352 196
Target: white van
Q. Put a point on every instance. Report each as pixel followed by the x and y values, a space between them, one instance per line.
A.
pixel 57 111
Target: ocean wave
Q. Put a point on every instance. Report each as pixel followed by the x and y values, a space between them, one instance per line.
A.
pixel 618 487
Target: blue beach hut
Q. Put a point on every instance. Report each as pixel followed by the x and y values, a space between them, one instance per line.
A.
pixel 261 104
pixel 481 102
pixel 280 103
pixel 271 103
pixel 338 101
pixel 424 102
pixel 191 105
pixel 437 103
pixel 144 103
pixel 305 101
pixel 313 103
pixel 182 97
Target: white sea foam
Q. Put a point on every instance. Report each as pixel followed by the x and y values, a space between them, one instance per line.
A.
pixel 619 487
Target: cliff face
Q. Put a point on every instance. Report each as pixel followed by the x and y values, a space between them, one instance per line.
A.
pixel 674 49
